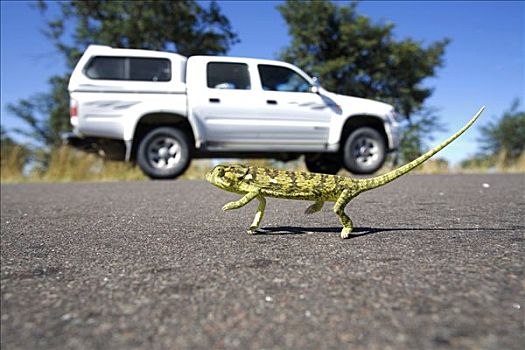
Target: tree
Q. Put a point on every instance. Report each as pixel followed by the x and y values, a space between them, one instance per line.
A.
pixel 504 137
pixel 182 26
pixel 33 111
pixel 353 56
pixel 416 133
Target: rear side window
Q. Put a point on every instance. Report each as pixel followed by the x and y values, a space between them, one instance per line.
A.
pixel 277 78
pixel 226 75
pixel 129 68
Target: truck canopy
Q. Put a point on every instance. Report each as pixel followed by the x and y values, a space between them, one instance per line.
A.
pixel 101 68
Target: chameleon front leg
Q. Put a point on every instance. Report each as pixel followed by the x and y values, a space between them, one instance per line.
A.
pixel 248 197
pixel 339 210
pixel 258 215
pixel 314 208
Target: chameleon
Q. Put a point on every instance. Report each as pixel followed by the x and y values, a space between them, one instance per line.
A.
pixel 260 182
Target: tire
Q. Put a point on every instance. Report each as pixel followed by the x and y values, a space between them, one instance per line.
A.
pixel 164 153
pixel 364 151
pixel 324 163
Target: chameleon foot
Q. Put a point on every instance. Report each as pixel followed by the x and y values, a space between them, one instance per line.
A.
pixel 229 206
pixel 345 232
pixel 252 230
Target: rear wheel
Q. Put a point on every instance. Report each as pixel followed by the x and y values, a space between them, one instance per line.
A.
pixel 164 153
pixel 364 151
pixel 324 163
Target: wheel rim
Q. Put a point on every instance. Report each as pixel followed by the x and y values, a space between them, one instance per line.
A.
pixel 164 152
pixel 366 151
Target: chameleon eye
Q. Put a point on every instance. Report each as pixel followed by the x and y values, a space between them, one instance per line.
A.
pixel 220 172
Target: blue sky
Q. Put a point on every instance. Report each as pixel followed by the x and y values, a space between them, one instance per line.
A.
pixel 484 64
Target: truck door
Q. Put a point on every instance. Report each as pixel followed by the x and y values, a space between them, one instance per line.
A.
pixel 222 102
pixel 293 114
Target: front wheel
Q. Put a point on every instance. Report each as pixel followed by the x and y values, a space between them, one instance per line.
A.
pixel 364 151
pixel 324 163
pixel 164 153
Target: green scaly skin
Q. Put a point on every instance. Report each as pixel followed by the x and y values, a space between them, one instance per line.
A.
pixel 257 182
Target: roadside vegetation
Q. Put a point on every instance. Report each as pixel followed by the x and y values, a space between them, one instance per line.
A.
pixel 66 164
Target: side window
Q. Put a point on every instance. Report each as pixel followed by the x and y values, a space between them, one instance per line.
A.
pixel 110 68
pixel 129 68
pixel 227 75
pixel 149 69
pixel 276 78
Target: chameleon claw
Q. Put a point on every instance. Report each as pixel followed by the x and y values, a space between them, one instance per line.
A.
pixel 252 230
pixel 227 207
pixel 345 232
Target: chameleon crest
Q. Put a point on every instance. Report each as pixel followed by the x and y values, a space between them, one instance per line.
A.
pixel 258 182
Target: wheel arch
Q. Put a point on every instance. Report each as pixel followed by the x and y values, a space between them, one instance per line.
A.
pixel 153 120
pixel 361 120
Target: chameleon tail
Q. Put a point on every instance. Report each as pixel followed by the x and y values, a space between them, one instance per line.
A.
pixel 368 184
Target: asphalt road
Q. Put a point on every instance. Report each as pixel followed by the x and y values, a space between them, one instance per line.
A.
pixel 157 265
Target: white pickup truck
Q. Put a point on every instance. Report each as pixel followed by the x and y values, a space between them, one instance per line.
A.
pixel 161 109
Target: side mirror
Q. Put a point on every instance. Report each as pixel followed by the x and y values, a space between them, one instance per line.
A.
pixel 316 85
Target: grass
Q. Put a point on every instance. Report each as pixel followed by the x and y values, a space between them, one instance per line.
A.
pixel 12 163
pixel 67 164
pixel 496 164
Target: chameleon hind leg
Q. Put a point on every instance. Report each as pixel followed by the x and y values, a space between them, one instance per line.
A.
pixel 314 208
pixel 339 210
pixel 258 215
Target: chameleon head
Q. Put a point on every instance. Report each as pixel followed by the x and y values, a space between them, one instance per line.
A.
pixel 226 177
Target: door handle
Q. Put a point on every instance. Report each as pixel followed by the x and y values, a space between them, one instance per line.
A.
pixel 215 100
pixel 271 102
